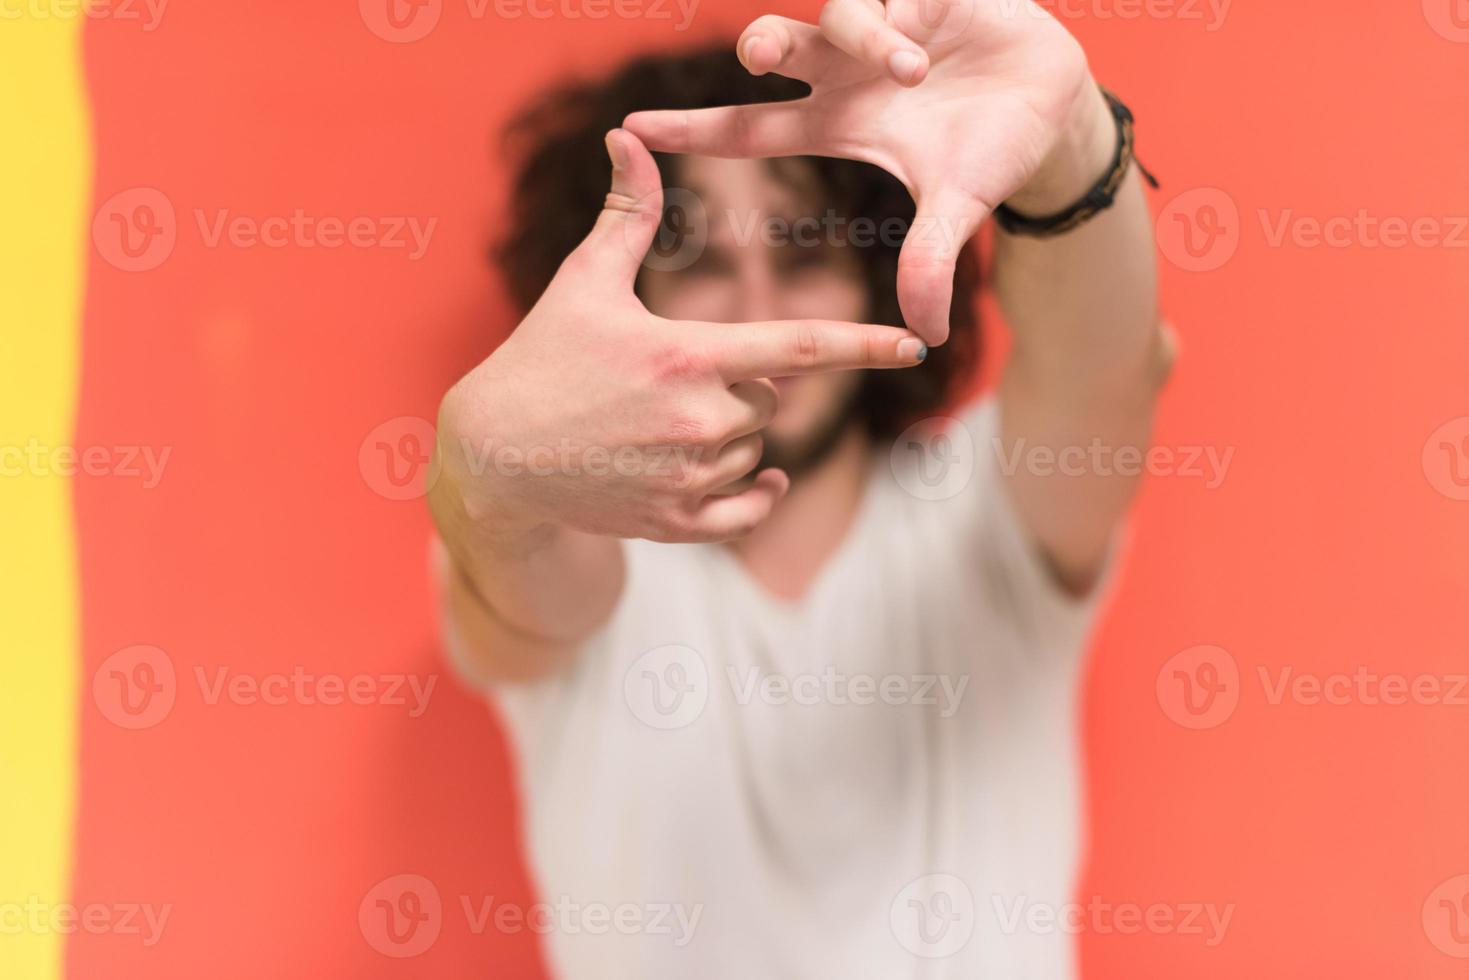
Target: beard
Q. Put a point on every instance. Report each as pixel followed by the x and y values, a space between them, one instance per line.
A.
pixel 801 455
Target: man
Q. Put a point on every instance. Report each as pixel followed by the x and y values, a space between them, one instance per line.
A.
pixel 789 697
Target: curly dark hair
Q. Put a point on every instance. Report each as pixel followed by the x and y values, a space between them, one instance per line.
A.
pixel 561 179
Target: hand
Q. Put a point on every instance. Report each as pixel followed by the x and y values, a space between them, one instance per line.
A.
pixel 599 416
pixel 991 101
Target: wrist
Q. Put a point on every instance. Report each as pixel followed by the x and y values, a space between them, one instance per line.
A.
pixel 1080 157
pixel 469 500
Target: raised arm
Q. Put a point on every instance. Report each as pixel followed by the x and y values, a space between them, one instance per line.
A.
pixel 1090 353
pixel 975 103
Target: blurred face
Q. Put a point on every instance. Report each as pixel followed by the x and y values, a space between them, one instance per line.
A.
pixel 767 258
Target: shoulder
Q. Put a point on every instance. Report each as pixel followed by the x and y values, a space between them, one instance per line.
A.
pixel 946 476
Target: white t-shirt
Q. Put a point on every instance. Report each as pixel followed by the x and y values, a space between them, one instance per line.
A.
pixel 878 781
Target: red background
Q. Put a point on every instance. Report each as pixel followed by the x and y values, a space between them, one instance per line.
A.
pixel 1326 549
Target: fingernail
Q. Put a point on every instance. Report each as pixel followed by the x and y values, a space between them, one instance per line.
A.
pixel 616 151
pixel 750 50
pixel 912 349
pixel 904 65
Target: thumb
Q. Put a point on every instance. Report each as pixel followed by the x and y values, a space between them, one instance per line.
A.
pixel 632 212
pixel 943 224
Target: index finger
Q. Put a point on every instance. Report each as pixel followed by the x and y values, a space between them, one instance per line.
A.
pixel 764 129
pixel 782 348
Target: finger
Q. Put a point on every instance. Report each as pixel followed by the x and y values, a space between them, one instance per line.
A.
pixel 943 224
pixel 735 461
pixel 771 129
pixel 722 517
pixel 931 21
pixel 787 47
pixel 757 402
pixel 624 231
pixel 783 348
pixel 861 29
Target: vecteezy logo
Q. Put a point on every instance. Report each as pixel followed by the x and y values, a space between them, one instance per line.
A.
pixel 1199 230
pixel 1446 459
pixel 932 21
pixel 1199 687
pixel 933 916
pixel 933 459
pixel 1450 18
pixel 401 916
pixel 682 234
pixel 667 687
pixel 400 21
pixel 1446 917
pixel 136 687
pixel 135 230
pixel 397 458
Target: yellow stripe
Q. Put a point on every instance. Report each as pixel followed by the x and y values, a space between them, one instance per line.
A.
pixel 45 190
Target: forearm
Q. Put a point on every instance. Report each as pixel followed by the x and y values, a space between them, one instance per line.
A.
pixel 1089 352
pixel 1083 306
pixel 521 595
